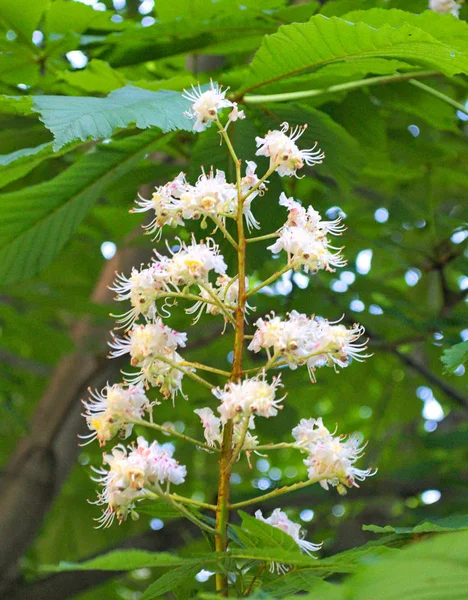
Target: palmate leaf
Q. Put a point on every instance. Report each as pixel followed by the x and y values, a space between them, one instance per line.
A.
pixel 302 47
pixel 37 221
pixel 72 118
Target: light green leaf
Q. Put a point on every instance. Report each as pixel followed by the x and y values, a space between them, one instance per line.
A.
pixel 37 221
pixel 277 555
pixel 72 118
pixel 170 581
pixel 22 16
pixel 455 356
pixel 16 105
pixel 121 560
pixel 264 535
pixel 302 47
pixel 441 525
pixel 436 569
pixel 445 28
pixel 98 77
pixel 64 17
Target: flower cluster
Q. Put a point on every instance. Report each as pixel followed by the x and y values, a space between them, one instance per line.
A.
pixel 446 7
pixel 213 430
pixel 112 411
pixel 134 474
pixel 300 340
pixel 212 196
pixel 253 396
pixel 152 348
pixel 330 459
pixel 196 271
pixel 280 520
pixel 285 157
pixel 304 238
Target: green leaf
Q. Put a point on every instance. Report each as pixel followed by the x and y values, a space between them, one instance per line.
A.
pixel 37 221
pixel 98 77
pixel 302 47
pixel 265 535
pixel 299 581
pixel 121 560
pixel 170 581
pixel 455 356
pixel 159 509
pixel 22 16
pixel 64 17
pixel 15 165
pixel 445 28
pixel 16 105
pixel 436 569
pixel 441 525
pixel 72 118
pixel 288 557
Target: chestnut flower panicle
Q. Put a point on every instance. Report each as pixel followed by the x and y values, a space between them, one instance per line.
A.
pixel 446 7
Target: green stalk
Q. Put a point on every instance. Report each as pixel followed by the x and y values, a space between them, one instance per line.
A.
pixel 278 492
pixel 340 87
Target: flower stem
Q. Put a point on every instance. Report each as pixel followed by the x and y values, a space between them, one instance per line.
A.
pixel 271 279
pixel 224 485
pixel 260 238
pixel 240 443
pixel 184 500
pixel 197 365
pixel 278 492
pixel 216 301
pixel 225 232
pixel 440 95
pixel 258 184
pixel 184 511
pixel 171 431
pixel 187 372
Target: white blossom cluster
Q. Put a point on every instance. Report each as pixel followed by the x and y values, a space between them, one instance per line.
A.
pixel 330 459
pixel 197 272
pixel 189 265
pixel 212 196
pixel 111 411
pixel 152 348
pixel 280 520
pixel 446 7
pixel 300 340
pixel 133 474
pixel 304 239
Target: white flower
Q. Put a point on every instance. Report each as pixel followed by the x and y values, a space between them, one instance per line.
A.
pixel 132 473
pixel 302 340
pixel 194 262
pixel 330 458
pixel 280 520
pixel 249 397
pixel 445 7
pixel 206 105
pixel 307 250
pixel 147 341
pixel 162 202
pixel 142 288
pixel 309 218
pixel 284 153
pixel 236 113
pixel 109 411
pixel 211 424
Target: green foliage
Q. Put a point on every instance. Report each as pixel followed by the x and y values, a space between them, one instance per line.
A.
pixel 455 356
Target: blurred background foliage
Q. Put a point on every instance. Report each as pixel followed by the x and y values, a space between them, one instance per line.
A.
pixel 395 171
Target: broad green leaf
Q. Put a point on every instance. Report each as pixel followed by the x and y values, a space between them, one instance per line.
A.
pixel 169 11
pixel 159 509
pixel 85 118
pixel 299 581
pixel 16 105
pixel 121 560
pixel 455 356
pixel 170 581
pixel 22 16
pixel 64 17
pixel 277 555
pixel 98 77
pixel 436 569
pixel 265 535
pixel 441 525
pixel 303 47
pixel 38 221
pixel 445 28
pixel 17 164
